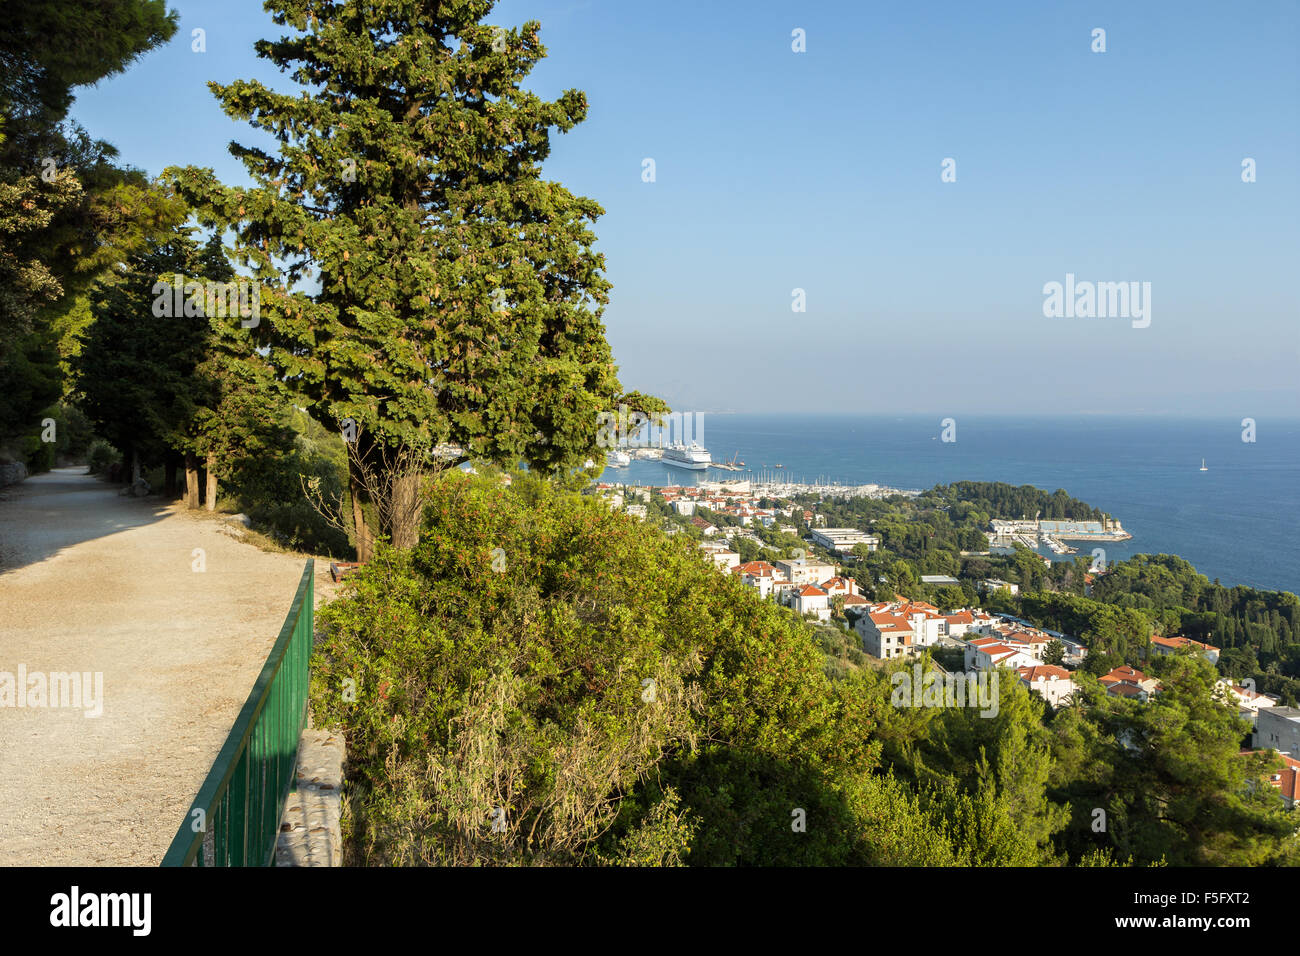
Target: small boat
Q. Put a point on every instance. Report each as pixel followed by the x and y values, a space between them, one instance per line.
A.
pixel 1203 468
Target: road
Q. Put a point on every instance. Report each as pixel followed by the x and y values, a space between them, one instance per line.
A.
pixel 98 583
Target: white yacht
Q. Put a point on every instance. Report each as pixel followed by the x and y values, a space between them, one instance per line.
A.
pixel 617 459
pixel 690 456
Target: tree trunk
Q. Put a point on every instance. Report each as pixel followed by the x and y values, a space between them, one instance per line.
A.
pixel 169 478
pixel 365 540
pixel 405 512
pixel 191 481
pixel 211 502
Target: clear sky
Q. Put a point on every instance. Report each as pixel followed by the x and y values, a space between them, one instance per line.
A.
pixel 820 170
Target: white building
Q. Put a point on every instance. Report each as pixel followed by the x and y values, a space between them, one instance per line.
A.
pixel 997 584
pixel 1051 683
pixel 811 599
pixel 885 634
pixel 988 654
pixel 1279 728
pixel 938 579
pixel 805 570
pixel 840 585
pixel 721 555
pixel 1247 701
pixel 844 540
pixel 759 575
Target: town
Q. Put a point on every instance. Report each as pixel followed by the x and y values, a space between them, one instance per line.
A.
pixel 813 583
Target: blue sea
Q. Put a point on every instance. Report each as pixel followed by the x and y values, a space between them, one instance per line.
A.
pixel 1237 522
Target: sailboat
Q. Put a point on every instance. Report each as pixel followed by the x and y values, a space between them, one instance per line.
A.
pixel 1203 468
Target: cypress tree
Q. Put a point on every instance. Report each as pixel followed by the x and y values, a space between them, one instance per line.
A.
pixel 419 276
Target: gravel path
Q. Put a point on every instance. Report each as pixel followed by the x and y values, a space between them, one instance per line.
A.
pixel 92 581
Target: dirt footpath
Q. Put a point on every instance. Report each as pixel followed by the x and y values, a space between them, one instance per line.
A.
pixel 95 582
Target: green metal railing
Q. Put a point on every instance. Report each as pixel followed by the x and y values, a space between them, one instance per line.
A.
pixel 235 818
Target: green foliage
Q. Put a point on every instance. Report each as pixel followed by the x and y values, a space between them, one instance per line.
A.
pixel 101 456
pixel 293 455
pixel 1170 776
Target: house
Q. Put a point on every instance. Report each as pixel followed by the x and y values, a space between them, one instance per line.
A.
pixel 705 528
pixel 636 511
pixel 721 555
pixel 885 634
pixel 1027 639
pixel 844 540
pixel 1126 681
pixel 1050 682
pixel 1279 728
pixel 1247 701
pixel 683 506
pixel 808 599
pixel 1075 651
pixel 805 570
pixel 758 575
pixel 927 623
pixel 988 654
pixel 840 585
pixel 1172 645
pixel 997 584
pixel 854 605
pixel 958 623
pixel 1286 781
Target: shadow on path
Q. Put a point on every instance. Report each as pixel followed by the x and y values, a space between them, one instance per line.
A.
pixel 47 513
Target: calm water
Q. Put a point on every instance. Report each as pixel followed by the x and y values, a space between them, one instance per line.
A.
pixel 1237 522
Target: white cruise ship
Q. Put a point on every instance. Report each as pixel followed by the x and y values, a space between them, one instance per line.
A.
pixel 690 456
pixel 617 459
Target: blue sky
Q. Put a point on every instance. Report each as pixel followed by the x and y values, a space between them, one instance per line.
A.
pixel 820 170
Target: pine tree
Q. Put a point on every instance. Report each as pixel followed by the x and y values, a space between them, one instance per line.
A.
pixel 419 277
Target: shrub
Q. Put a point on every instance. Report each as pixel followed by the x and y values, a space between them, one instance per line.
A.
pixel 101 456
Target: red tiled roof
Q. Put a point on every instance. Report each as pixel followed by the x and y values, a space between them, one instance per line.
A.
pixel 1123 673
pixel 886 621
pixel 1179 642
pixel 1043 672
